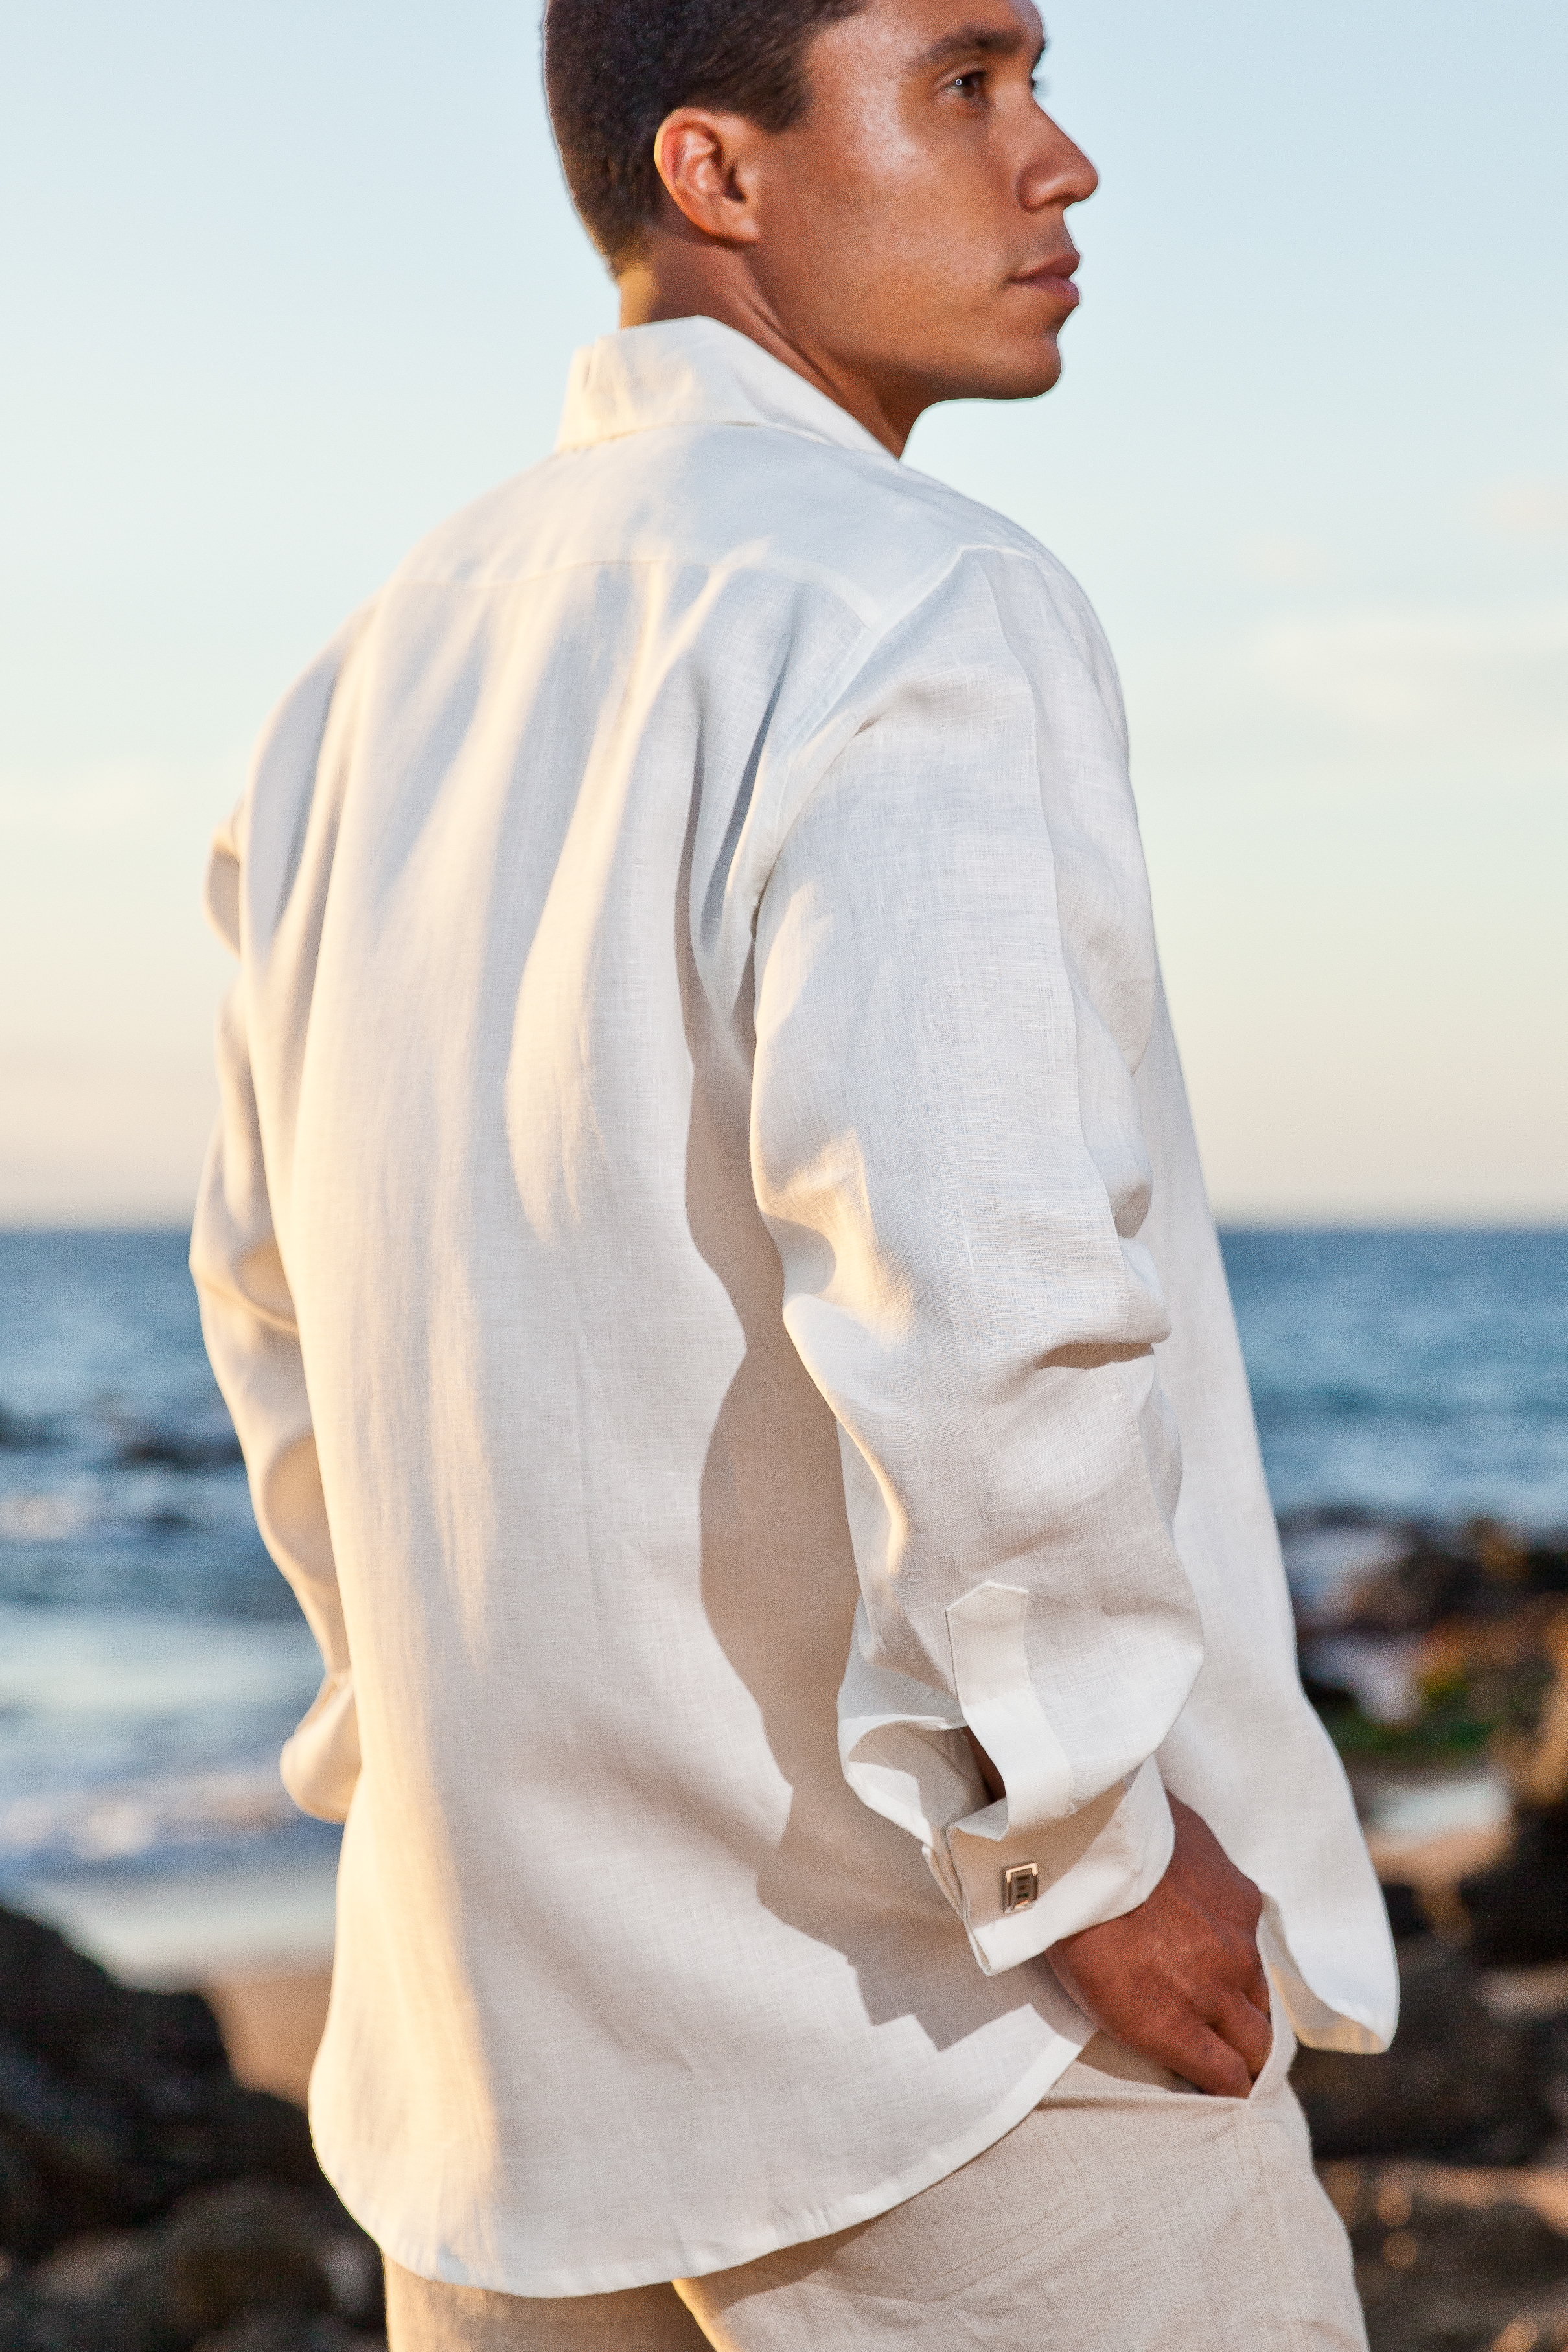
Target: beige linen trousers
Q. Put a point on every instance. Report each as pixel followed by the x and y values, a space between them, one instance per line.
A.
pixel 1126 2214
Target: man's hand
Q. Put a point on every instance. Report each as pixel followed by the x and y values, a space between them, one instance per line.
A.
pixel 1180 1977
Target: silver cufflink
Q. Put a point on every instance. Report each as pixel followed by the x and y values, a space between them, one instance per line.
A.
pixel 1020 1886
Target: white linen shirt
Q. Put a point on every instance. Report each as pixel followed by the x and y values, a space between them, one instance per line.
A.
pixel 706 1251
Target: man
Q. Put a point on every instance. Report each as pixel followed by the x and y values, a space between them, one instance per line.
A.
pixel 706 1254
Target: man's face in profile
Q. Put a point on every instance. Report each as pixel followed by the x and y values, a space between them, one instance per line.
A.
pixel 913 222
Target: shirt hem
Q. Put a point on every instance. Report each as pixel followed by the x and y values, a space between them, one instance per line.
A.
pixel 689 2261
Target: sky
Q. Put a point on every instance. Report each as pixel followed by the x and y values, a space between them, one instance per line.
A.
pixel 283 286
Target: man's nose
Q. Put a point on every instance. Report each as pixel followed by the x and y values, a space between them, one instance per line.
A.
pixel 1059 172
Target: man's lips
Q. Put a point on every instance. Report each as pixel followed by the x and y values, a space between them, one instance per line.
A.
pixel 1053 276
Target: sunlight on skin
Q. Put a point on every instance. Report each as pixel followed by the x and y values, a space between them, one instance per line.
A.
pixel 923 130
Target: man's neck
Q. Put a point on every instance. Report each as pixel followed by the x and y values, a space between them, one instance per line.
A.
pixel 673 280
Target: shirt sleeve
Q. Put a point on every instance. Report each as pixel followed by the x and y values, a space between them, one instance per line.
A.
pixel 954 978
pixel 253 1339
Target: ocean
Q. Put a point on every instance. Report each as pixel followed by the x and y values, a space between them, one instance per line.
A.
pixel 153 1661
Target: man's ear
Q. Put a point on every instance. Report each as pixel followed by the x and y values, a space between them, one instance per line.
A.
pixel 704 160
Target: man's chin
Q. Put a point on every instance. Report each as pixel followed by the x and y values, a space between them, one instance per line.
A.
pixel 1010 374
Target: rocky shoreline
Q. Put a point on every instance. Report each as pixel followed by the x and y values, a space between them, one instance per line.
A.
pixel 148 2202
pixel 1439 1654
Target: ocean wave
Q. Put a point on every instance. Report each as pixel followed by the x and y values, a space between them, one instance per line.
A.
pixel 110 1434
pixel 1421 1407
pixel 63 1514
pixel 144 1821
pixel 144 1537
pixel 49 1515
pixel 25 1433
pixel 180 1449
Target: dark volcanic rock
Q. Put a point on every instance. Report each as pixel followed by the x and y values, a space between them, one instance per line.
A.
pixel 115 2103
pixel 252 2260
pixel 1482 1572
pixel 1439 2271
pixel 1517 1909
pixel 178 1449
pixel 1405 1916
pixel 283 2331
pixel 91 2269
pixel 119 2107
pixel 1457 2085
pixel 227 2252
pixel 68 2015
pixel 1415 1593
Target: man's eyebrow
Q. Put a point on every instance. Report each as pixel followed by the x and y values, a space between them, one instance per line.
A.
pixel 971 41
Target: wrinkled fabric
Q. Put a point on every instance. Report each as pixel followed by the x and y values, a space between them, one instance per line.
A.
pixel 1127 2214
pixel 706 1251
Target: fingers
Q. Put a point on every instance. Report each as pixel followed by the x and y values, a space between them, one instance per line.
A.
pixel 1213 2066
pixel 1180 1977
pixel 1247 2029
pixel 1224 2056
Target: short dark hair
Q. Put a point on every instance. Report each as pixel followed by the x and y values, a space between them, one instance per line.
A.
pixel 614 69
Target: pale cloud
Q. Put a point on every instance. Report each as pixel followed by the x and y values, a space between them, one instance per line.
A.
pixel 1530 507
pixel 1428 683
pixel 117 797
pixel 1271 561
pixel 116 800
pixel 1373 692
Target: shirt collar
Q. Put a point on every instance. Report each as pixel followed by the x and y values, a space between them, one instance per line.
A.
pixel 694 372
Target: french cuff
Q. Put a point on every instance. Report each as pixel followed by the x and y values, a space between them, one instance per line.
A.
pixel 1018 1891
pixel 1037 1864
pixel 319 1765
pixel 901 1746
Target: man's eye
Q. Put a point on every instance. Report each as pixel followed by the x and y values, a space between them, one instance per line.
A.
pixel 968 85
